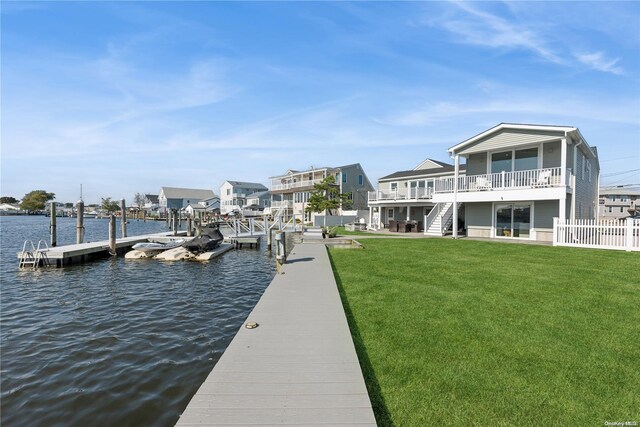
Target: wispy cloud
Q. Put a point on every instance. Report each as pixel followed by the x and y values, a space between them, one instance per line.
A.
pixel 597 61
pixel 473 25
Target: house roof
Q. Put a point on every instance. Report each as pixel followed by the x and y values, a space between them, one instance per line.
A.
pixel 251 185
pixel 524 126
pixel 153 198
pixel 258 194
pixel 619 191
pixel 187 193
pixel 443 168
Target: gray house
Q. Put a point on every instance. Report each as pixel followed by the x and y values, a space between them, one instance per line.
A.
pixel 618 203
pixel 516 179
pixel 290 192
pixel 519 177
pixel 179 198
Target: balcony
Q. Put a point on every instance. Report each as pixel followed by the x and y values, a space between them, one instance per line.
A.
pixel 295 185
pixel 402 195
pixel 534 178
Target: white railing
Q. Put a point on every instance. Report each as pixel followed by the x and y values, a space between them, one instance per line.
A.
pixel 280 203
pixel 598 234
pixel 414 193
pixel 297 184
pixel 534 178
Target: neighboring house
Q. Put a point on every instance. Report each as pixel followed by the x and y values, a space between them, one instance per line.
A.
pixel 207 206
pixel 291 191
pixel 179 198
pixel 151 202
pixel 257 203
pixel 233 195
pixel 618 203
pixel 517 178
pixel 407 195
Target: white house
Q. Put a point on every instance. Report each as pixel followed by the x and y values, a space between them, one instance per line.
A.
pixel 233 195
pixel 179 198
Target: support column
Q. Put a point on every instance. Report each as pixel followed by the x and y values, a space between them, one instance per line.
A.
pixel 123 218
pixel 371 217
pixel 80 222
pixel 52 228
pixel 455 196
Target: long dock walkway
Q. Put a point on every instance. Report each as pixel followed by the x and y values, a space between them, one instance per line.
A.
pixel 298 367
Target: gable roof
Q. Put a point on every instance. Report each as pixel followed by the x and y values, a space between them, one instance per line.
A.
pixel 187 193
pixel 444 168
pixel 251 185
pixel 153 198
pixel 257 194
pixel 524 126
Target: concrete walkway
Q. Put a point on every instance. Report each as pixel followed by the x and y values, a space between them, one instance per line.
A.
pixel 298 367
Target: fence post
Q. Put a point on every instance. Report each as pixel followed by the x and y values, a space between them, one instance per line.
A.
pixel 555 231
pixel 628 229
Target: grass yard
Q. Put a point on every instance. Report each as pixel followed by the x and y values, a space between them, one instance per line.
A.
pixel 483 333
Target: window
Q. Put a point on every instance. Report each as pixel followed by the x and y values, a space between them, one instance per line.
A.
pixel 621 209
pixel 393 186
pixel 228 191
pixel 589 171
pixel 501 162
pixel 390 213
pixel 526 159
pixel 584 166
pixel 360 180
pixel 610 209
pixel 344 177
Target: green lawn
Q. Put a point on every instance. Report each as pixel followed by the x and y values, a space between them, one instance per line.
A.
pixel 482 333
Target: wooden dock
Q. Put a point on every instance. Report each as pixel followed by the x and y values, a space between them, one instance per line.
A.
pixel 298 366
pixel 62 256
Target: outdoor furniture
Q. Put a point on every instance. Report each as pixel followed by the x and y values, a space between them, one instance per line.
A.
pixel 482 183
pixel 543 180
pixel 402 226
pixel 393 226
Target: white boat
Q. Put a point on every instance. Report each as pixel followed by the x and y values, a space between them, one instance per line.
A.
pixel 158 246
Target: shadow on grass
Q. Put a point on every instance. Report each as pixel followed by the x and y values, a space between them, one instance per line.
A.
pixel 383 417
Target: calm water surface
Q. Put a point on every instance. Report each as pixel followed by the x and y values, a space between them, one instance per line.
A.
pixel 114 342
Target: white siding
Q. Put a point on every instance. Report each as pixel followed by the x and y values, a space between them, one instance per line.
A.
pixel 511 138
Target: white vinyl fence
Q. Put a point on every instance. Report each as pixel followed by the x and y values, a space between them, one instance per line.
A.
pixel 599 234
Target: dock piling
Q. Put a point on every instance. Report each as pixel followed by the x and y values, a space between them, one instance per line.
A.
pixel 52 229
pixel 80 222
pixel 189 226
pixel 174 222
pixel 281 250
pixel 112 234
pixel 123 210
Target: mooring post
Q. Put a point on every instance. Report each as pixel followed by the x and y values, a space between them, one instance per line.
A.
pixel 123 209
pixel 144 215
pixel 189 226
pixel 80 222
pixel 281 252
pixel 52 229
pixel 166 216
pixel 179 218
pixel 112 235
pixel 175 221
pixel 269 231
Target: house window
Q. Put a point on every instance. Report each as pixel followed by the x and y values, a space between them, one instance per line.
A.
pixel 621 209
pixel 610 209
pixel 526 159
pixel 228 191
pixel 390 213
pixel 344 177
pixel 501 162
pixel 393 186
pixel 584 166
pixel 589 171
pixel 360 180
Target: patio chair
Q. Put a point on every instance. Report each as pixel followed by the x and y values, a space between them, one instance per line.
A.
pixel 543 180
pixel 482 183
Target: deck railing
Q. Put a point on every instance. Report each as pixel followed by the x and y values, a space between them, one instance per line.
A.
pixel 534 178
pixel 296 184
pixel 414 193
pixel 598 234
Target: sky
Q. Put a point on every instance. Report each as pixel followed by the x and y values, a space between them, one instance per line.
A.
pixel 127 97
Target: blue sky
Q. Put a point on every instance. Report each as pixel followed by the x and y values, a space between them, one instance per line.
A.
pixel 129 97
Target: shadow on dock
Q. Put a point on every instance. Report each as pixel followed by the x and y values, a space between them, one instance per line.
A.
pixel 380 410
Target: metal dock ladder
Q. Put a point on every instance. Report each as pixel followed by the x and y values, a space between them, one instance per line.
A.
pixel 32 256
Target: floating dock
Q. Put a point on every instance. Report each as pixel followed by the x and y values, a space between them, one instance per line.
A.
pixel 298 366
pixel 62 256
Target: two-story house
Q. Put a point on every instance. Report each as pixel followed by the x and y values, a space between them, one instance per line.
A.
pixel 290 192
pixel 618 203
pixel 233 195
pixel 518 178
pixel 179 198
pixel 406 197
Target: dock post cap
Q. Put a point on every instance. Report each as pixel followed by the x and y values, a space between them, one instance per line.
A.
pixel 251 325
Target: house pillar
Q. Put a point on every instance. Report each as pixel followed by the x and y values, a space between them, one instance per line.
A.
pixel 455 196
pixel 371 217
pixel 408 212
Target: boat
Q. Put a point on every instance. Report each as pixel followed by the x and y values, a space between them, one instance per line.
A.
pixel 158 245
pixel 207 240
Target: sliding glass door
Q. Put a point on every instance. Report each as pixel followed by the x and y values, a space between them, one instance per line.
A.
pixel 513 220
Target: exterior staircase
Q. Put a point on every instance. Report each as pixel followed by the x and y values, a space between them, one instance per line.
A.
pixel 439 219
